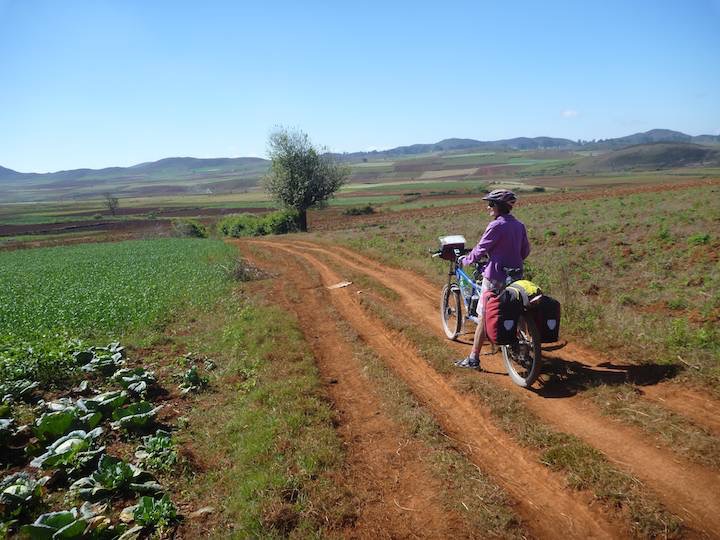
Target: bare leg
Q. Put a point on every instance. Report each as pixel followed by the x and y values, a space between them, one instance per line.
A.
pixel 479 338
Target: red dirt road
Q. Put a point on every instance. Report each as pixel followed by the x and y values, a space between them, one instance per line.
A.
pixel 396 495
pixel 542 499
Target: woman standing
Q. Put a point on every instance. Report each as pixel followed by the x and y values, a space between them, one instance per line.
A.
pixel 506 245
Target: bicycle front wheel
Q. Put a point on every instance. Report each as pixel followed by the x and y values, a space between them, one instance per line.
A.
pixel 451 311
pixel 523 358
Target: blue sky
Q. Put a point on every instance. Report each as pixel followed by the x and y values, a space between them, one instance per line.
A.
pixel 99 83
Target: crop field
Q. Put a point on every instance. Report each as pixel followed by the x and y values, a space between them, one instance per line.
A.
pixel 105 289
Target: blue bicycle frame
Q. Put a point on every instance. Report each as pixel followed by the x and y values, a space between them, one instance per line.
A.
pixel 470 289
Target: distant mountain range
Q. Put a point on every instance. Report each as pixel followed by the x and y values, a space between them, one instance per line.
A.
pixel 182 175
pixel 535 143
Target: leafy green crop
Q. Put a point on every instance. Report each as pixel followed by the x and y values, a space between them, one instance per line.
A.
pixel 106 403
pixel 71 452
pixel 115 476
pixel 135 380
pixel 96 290
pixel 47 359
pixel 135 416
pixel 193 381
pixel 55 424
pixel 7 429
pixel 18 492
pixel 21 389
pixel 155 513
pixel 157 451
pixel 65 524
pixel 105 288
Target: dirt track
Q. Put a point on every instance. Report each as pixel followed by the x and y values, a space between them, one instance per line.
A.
pixel 543 501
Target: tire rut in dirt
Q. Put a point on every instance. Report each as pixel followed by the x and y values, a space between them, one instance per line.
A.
pixel 691 403
pixel 689 490
pixel 397 496
pixel 543 500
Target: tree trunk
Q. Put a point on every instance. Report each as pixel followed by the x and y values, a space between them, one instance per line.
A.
pixel 302 220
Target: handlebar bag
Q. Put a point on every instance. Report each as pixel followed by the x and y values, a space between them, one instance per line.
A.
pixel 546 312
pixel 502 313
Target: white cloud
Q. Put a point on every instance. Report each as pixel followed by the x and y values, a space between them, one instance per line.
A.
pixel 569 113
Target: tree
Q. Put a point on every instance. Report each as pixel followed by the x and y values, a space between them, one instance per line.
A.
pixel 112 203
pixel 301 176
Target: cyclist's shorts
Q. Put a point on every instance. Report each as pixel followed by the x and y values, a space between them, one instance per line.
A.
pixel 487 285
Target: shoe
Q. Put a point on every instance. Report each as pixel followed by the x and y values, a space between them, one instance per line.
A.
pixel 469 363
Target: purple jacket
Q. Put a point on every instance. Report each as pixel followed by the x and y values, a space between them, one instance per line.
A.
pixel 505 242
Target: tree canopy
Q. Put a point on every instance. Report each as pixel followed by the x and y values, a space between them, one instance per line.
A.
pixel 301 176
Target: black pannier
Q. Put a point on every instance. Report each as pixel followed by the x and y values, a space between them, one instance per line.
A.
pixel 546 312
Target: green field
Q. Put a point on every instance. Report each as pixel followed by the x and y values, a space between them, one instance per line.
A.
pixel 102 290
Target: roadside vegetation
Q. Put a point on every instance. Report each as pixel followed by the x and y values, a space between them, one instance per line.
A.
pixel 271 451
pixel 280 222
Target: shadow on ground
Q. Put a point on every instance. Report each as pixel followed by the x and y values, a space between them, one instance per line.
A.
pixel 566 377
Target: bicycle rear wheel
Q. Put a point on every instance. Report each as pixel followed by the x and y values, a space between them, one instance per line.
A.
pixel 451 313
pixel 523 358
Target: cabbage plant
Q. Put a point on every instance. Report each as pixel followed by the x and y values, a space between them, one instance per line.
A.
pixel 105 360
pixel 135 380
pixel 157 451
pixel 106 402
pixel 112 477
pixel 21 389
pixel 7 430
pixel 68 524
pixel 193 381
pixel 71 452
pixel 18 493
pixel 155 513
pixel 55 424
pixel 135 416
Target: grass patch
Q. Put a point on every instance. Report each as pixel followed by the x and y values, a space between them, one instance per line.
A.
pixel 272 440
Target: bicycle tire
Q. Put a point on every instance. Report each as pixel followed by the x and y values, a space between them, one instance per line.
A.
pixel 523 360
pixel 451 313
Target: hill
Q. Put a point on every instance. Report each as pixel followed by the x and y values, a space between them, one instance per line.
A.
pixel 170 176
pixel 653 156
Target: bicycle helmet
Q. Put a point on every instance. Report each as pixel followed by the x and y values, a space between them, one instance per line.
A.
pixel 502 196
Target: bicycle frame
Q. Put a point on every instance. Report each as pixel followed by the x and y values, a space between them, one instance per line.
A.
pixel 468 286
